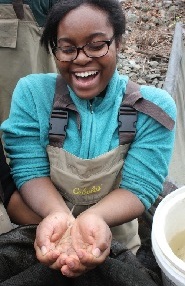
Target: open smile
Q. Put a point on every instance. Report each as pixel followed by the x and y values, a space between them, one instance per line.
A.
pixel 85 74
pixel 85 79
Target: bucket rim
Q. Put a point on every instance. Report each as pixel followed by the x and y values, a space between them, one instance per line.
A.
pixel 158 228
pixel 175 275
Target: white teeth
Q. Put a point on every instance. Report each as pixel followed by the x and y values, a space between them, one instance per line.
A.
pixel 85 74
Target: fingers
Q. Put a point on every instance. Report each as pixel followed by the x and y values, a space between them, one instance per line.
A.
pixel 69 264
pixel 102 239
pixel 90 260
pixel 66 271
pixel 46 252
pixel 73 267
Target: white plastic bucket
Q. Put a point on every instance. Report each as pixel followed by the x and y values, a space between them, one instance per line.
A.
pixel 168 223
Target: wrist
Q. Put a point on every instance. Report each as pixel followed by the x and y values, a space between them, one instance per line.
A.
pixel 92 213
pixel 64 215
pixel 59 208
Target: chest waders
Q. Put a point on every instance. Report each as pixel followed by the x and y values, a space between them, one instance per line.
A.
pixel 20 50
pixel 83 182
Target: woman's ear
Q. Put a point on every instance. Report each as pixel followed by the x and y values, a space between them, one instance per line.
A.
pixel 118 47
pixel 119 44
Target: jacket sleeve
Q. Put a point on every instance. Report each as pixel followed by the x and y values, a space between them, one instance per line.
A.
pixel 147 162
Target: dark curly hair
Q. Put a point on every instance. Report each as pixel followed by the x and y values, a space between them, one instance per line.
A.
pixel 113 9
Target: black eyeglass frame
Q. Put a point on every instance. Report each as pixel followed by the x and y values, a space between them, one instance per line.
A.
pixel 78 49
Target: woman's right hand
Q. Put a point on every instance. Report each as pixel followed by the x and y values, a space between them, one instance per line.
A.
pixel 49 232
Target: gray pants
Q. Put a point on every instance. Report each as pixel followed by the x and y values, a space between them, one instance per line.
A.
pixel 5 223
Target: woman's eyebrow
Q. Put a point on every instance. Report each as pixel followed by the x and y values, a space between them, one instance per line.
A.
pixel 88 38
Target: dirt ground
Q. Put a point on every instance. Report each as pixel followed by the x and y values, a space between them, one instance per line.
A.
pixel 151 31
pixel 150 27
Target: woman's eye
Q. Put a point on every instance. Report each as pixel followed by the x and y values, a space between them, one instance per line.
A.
pixel 96 46
pixel 68 50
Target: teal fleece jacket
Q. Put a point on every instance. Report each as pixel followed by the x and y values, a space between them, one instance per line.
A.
pixel 26 133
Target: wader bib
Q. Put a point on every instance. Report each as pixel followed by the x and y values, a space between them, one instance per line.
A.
pixel 83 182
pixel 20 50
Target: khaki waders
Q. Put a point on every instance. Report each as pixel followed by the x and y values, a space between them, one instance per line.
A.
pixel 85 182
pixel 20 50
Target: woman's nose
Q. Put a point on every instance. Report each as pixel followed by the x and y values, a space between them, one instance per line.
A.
pixel 82 58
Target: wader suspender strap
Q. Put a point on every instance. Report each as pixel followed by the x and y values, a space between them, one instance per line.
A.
pixel 127 116
pixel 1 193
pixel 18 8
pixel 59 117
pixel 132 102
pixel 133 98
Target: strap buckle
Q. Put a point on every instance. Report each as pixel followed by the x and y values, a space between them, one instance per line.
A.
pixel 58 126
pixel 127 119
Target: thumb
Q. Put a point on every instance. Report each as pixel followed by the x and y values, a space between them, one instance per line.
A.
pixel 96 252
pixel 102 243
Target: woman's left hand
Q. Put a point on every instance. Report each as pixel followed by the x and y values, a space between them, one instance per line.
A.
pixel 90 239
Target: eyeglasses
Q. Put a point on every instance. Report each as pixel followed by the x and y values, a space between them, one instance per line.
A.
pixel 68 53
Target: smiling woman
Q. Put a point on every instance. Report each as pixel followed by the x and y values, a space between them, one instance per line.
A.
pixel 87 141
pixel 93 50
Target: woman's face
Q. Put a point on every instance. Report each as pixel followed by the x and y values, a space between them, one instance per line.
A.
pixel 86 76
